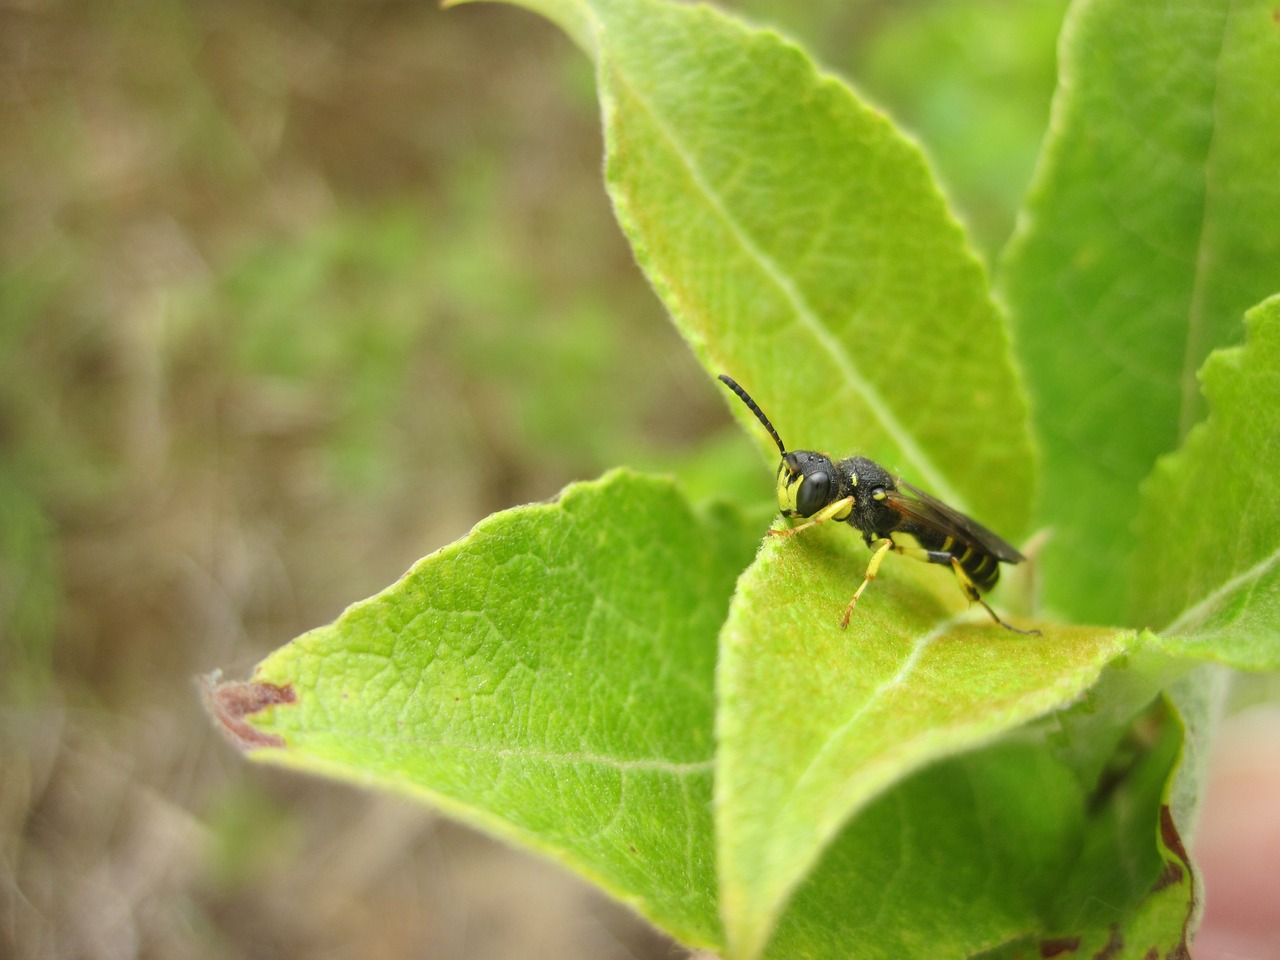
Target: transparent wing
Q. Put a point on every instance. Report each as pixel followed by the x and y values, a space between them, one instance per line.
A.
pixel 930 512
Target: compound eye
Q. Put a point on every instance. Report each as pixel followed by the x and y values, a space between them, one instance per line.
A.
pixel 813 494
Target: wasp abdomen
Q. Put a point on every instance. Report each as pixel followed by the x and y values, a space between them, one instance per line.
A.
pixel 983 568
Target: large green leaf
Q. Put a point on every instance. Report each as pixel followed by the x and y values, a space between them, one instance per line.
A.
pixel 1148 232
pixel 549 678
pixel 801 245
pixel 1006 849
pixel 815 721
pixel 1208 570
pixel 957 859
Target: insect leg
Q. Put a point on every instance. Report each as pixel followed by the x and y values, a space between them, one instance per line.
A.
pixel 971 591
pixel 882 546
pixel 917 552
pixel 826 513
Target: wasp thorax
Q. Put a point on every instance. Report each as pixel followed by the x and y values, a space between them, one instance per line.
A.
pixel 806 483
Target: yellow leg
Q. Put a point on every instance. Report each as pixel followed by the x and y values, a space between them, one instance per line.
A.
pixel 882 546
pixel 826 513
pixel 971 591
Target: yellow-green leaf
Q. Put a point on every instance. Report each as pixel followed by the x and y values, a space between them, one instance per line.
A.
pixel 816 721
pixel 549 678
pixel 802 245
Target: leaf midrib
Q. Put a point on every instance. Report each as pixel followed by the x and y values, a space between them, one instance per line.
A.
pixel 647 764
pixel 923 466
pixel 1196 614
pixel 838 734
pixel 1194 348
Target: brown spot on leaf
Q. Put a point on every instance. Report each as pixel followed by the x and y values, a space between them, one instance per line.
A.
pixel 1170 875
pixel 1173 840
pixel 231 701
pixel 1152 954
pixel 1114 944
pixel 1057 946
pixel 1169 834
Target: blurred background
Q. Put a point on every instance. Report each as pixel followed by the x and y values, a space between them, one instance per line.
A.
pixel 291 295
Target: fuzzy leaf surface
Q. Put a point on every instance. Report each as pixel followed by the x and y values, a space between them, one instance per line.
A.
pixel 816 721
pixel 548 678
pixel 1148 232
pixel 1209 529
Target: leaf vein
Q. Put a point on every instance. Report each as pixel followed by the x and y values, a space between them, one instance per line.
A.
pixel 651 764
pixel 1195 615
pixel 923 466
pixel 838 734
pixel 1194 348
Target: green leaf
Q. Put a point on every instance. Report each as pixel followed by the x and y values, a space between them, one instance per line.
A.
pixel 1149 230
pixel 1130 883
pixel 1208 570
pixel 815 721
pixel 802 246
pixel 957 859
pixel 1006 849
pixel 548 678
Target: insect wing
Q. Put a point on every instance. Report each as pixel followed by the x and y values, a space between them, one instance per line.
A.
pixel 929 511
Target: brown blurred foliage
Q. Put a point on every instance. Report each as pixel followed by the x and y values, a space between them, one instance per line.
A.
pixel 282 285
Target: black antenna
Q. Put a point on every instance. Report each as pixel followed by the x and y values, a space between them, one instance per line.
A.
pixel 754 408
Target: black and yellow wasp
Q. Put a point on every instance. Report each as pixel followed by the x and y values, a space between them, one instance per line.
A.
pixel 861 493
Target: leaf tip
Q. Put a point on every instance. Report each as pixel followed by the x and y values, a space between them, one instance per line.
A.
pixel 230 702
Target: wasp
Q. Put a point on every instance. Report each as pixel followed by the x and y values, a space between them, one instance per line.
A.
pixel 890 513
